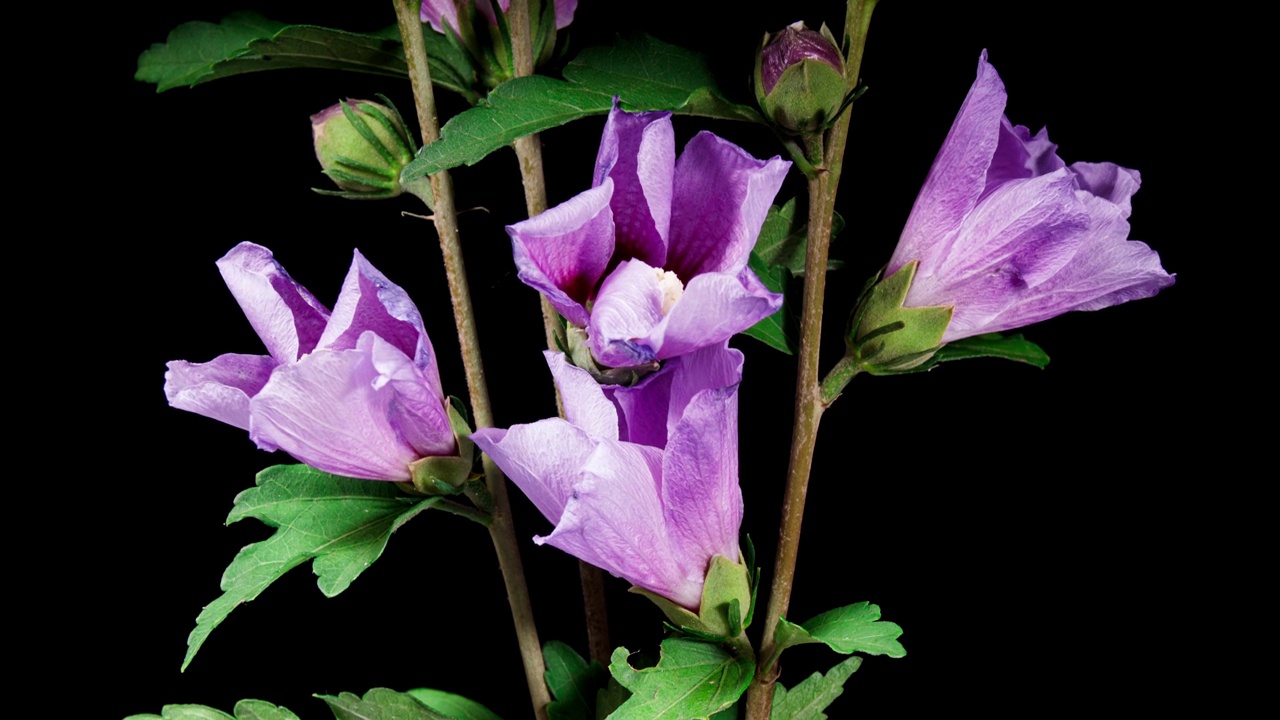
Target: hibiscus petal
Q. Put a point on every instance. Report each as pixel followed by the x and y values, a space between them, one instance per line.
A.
pixel 626 312
pixel 714 308
pixel 720 199
pixel 545 459
pixel 1108 181
pixel 643 407
pixel 584 401
pixel 564 12
pixel 220 388
pixel 1020 156
pixel 417 413
pixel 638 152
pixel 563 252
pixel 289 319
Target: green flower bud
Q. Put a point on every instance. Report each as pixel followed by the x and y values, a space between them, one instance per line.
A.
pixel 799 78
pixel 362 146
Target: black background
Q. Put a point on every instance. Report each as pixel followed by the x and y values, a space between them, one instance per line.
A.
pixel 1021 525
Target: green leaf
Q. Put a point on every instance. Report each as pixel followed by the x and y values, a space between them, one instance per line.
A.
pixel 784 239
pixel 646 73
pixel 814 694
pixel 850 629
pixel 245 710
pixel 691 680
pixel 573 682
pixel 453 706
pixel 610 698
pixel 197 52
pixel 1010 347
pixel 779 330
pixel 341 523
pixel 261 710
pixel 379 704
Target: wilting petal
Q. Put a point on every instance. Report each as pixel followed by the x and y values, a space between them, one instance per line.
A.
pixel 638 152
pixel 625 315
pixel 288 318
pixel 545 459
pixel 563 252
pixel 220 388
pixel 417 412
pixel 715 307
pixel 720 199
pixel 585 404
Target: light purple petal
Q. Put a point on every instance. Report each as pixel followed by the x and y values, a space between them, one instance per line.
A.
pixel 439 13
pixel 564 12
pixel 1109 182
pixel 369 301
pixel 642 408
pixel 220 388
pixel 545 459
pixel 614 521
pixel 1020 156
pixel 638 152
pixel 585 404
pixel 325 411
pixel 287 317
pixel 626 312
pixel 958 176
pixel 563 252
pixel 715 307
pixel 720 199
pixel 417 412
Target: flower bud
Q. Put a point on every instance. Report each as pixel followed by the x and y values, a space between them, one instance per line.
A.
pixel 886 337
pixel 362 146
pixel 800 81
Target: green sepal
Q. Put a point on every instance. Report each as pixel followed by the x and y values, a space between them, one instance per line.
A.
pixel 811 696
pixel 807 96
pixel 691 680
pixel 726 596
pixel 574 683
pixel 454 707
pixel 849 629
pixel 575 347
pixel 446 474
pixel 884 337
pixel 380 704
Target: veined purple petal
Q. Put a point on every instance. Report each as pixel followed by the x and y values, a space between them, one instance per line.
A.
pixel 563 252
pixel 715 307
pixel 958 176
pixel 584 401
pixel 643 407
pixel 545 459
pixel 1109 182
pixel 638 152
pixel 369 301
pixel 288 318
pixel 720 199
pixel 626 312
pixel 220 388
pixel 326 411
pixel 439 13
pixel 1020 156
pixel 417 412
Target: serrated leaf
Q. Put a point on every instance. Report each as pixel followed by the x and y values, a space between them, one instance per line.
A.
pixel 379 704
pixel 1010 347
pixel 341 523
pixel 184 712
pixel 850 629
pixel 646 73
pixel 778 331
pixel 807 700
pixel 784 239
pixel 197 52
pixel 691 680
pixel 261 710
pixel 454 707
pixel 610 698
pixel 573 682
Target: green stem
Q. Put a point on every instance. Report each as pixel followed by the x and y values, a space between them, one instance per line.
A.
pixel 502 531
pixel 809 401
pixel 839 376
pixel 529 152
pixel 466 511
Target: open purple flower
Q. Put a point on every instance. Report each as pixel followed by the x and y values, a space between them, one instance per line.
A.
pixel 651 260
pixel 640 481
pixel 1007 234
pixel 355 392
pixel 439 13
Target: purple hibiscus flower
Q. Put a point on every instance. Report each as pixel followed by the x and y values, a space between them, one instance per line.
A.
pixel 1007 234
pixel 651 261
pixel 355 392
pixel 439 13
pixel 641 481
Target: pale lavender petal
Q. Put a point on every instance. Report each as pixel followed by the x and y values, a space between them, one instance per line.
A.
pixel 564 12
pixel 584 401
pixel 563 252
pixel 958 176
pixel 642 408
pixel 614 521
pixel 325 411
pixel 439 13
pixel 220 388
pixel 720 199
pixel 701 499
pixel 287 317
pixel 709 368
pixel 638 152
pixel 1108 181
pixel 626 312
pixel 369 301
pixel 714 307
pixel 1020 156
pixel 417 411
pixel 545 459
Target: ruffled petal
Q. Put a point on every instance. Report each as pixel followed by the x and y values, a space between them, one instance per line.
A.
pixel 638 152
pixel 417 413
pixel 220 388
pixel 720 199
pixel 563 252
pixel 714 307
pixel 545 459
pixel 625 314
pixel 585 404
pixel 1020 156
pixel 1109 182
pixel 289 319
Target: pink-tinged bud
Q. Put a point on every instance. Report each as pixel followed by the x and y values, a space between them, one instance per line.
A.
pixel 800 81
pixel 362 146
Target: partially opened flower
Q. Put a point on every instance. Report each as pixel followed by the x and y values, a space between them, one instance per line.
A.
pixel 652 260
pixel 1006 234
pixel 640 481
pixel 355 392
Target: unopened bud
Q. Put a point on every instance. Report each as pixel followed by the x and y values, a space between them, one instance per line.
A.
pixel 800 81
pixel 362 146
